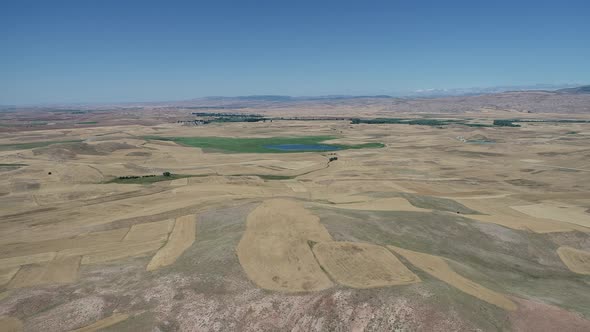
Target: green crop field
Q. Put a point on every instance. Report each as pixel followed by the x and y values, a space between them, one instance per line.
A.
pixel 13 165
pixel 148 179
pixel 259 145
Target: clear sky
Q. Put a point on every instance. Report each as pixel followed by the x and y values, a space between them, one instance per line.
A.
pixel 54 51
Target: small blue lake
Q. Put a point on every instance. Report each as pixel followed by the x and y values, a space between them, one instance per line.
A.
pixel 302 147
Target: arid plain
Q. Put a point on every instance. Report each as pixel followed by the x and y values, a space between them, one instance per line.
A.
pixel 428 228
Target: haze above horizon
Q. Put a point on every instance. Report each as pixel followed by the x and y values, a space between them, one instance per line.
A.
pixel 113 51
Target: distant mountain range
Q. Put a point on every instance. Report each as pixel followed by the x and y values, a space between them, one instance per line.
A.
pixel 525 94
pixel 576 90
pixel 427 93
pixel 433 93
pixel 280 98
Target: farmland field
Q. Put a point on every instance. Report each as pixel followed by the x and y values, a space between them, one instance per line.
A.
pixel 297 166
pixel 26 146
pixel 264 145
pixel 132 227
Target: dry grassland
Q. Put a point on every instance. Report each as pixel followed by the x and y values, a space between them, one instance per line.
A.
pixel 296 186
pixel 384 204
pixel 103 323
pixel 347 199
pixel 362 265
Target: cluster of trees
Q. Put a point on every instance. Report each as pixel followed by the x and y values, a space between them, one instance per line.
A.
pixel 72 111
pixel 240 115
pixel 129 177
pixel 439 122
pixel 333 159
pixel 423 122
pixel 551 120
pixel 227 117
pixel 239 119
pixel 195 122
pixel 505 123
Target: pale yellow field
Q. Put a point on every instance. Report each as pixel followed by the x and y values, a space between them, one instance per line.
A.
pixel 152 231
pixel 274 251
pixel 25 260
pixel 6 274
pixel 438 268
pixel 498 211
pixel 181 238
pixel 60 270
pixel 81 241
pixel 362 265
pixel 119 251
pixel 566 213
pixel 576 260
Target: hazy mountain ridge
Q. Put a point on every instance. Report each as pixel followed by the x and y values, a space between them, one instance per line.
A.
pixel 562 101
pixel 569 100
pixel 576 90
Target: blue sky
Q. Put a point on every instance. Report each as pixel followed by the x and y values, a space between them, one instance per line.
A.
pixel 107 51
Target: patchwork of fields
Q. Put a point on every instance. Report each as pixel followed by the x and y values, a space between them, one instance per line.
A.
pixel 170 227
